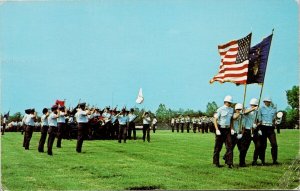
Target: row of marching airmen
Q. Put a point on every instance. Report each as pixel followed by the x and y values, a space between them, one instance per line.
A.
pixel 185 122
pixel 118 125
pixel 239 126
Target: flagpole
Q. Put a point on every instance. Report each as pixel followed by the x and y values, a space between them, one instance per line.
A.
pixel 262 86
pixel 245 92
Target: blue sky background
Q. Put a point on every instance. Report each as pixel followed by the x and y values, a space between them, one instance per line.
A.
pixel 102 52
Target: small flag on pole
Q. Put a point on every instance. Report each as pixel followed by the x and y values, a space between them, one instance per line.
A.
pixel 140 97
pixel 60 103
pixel 234 61
pixel 258 59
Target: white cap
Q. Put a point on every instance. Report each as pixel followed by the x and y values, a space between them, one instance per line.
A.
pixel 268 99
pixel 253 101
pixel 279 114
pixel 238 106
pixel 228 99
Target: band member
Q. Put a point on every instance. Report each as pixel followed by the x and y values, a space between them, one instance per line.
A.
pixel 52 131
pixel 123 125
pixel 29 128
pixel 223 132
pixel 107 124
pixel 4 125
pixel 114 124
pixel 266 117
pixel 82 122
pixel 61 125
pixel 154 122
pixel 27 112
pixel 146 126
pixel 131 127
pixel 44 129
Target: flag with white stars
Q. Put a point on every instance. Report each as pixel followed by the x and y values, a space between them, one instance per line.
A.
pixel 234 61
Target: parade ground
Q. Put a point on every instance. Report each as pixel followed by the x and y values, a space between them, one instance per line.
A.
pixel 170 161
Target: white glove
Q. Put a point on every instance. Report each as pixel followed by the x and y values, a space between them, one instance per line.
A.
pixel 239 136
pixel 254 125
pixel 232 132
pixel 259 132
pixel 251 135
pixel 218 132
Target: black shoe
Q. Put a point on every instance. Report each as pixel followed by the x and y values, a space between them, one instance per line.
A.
pixel 50 153
pixel 119 141
pixel 275 163
pixel 230 166
pixel 242 165
pixel 79 151
pixel 26 148
pixel 254 163
pixel 218 165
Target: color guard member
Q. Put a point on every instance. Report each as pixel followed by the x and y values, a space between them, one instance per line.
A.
pixel 223 132
pixel 267 117
pixel 249 118
pixel 29 128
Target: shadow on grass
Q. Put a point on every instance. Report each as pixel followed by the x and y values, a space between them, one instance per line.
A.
pixel 152 187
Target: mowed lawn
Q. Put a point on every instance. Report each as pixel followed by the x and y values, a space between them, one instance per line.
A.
pixel 173 161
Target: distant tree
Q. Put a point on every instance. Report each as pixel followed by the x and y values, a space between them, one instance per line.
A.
pixel 293 97
pixel 211 108
pixel 292 117
pixel 15 117
pixel 292 112
pixel 162 113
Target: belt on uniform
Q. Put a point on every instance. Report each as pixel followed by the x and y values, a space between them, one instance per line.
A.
pixel 224 126
pixel 267 124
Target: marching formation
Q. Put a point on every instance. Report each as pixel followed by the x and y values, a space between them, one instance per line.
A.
pixel 232 125
pixel 238 126
pixel 203 123
pixel 91 123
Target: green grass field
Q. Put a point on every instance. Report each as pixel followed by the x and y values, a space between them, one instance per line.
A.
pixel 171 161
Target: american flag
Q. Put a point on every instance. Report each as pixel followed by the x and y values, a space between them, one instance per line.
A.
pixel 234 61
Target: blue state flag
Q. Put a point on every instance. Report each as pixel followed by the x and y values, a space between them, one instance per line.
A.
pixel 258 59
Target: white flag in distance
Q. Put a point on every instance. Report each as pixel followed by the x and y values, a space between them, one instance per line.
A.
pixel 140 97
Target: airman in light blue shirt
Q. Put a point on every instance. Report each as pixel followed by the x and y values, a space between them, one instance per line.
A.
pixel 267 114
pixel 224 115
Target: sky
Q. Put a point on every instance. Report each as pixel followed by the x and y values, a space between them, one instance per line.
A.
pixel 102 52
